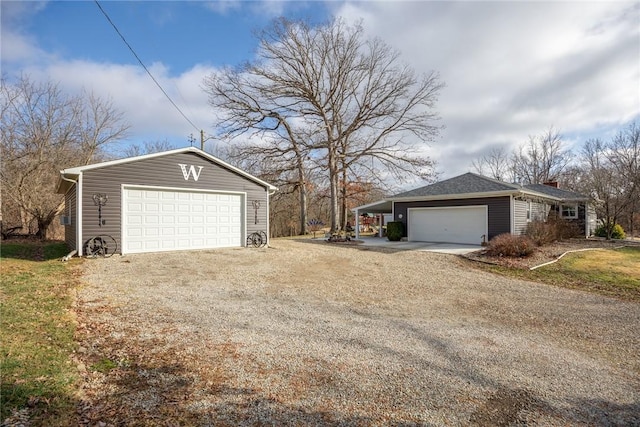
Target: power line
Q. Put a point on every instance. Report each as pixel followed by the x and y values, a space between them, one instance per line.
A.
pixel 144 66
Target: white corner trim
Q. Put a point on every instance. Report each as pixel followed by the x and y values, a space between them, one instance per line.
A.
pixel 79 208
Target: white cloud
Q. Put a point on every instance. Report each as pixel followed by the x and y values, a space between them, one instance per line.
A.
pixel 135 94
pixel 223 7
pixel 512 69
pixel 15 44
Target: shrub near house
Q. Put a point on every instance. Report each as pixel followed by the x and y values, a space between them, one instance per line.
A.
pixel 395 231
pixel 616 233
pixel 508 245
pixel 551 230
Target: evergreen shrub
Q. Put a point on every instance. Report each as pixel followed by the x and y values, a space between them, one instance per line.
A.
pixel 395 231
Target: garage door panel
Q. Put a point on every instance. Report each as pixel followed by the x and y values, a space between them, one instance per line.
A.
pixel 448 224
pixel 157 220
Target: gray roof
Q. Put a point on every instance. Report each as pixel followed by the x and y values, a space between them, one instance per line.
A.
pixel 470 183
pixel 555 192
pixel 462 184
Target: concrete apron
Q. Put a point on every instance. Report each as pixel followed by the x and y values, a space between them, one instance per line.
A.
pixel 445 248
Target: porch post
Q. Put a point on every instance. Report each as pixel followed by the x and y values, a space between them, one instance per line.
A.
pixel 357 223
pixel 380 224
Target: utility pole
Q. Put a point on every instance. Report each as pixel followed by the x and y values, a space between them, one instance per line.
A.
pixel 203 139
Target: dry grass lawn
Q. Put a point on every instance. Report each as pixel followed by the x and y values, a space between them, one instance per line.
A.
pixel 615 263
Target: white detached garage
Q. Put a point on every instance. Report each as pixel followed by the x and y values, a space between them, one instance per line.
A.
pixel 182 199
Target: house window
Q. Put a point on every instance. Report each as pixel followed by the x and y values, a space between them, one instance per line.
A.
pixel 569 211
pixel 528 210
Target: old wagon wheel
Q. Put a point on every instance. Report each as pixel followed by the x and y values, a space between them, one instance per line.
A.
pixel 263 236
pixel 102 245
pixel 254 240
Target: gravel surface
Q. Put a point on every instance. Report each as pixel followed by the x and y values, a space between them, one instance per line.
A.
pixel 318 334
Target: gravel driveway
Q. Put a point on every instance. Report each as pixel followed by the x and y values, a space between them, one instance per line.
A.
pixel 312 333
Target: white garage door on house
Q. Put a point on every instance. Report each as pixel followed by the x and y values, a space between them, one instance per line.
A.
pixel 157 220
pixel 464 224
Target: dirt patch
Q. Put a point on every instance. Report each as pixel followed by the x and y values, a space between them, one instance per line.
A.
pixel 313 334
pixel 505 408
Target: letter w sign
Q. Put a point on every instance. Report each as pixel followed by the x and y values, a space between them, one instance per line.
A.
pixel 187 172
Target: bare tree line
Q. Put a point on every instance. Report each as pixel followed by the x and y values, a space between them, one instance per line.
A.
pixel 607 171
pixel 44 131
pixel 541 159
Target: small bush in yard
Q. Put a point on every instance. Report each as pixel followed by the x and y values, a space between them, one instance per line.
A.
pixel 508 245
pixel 542 233
pixel 616 233
pixel 395 230
pixel 545 232
pixel 565 229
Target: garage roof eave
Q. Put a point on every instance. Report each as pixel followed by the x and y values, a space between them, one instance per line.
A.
pixel 65 182
pixel 381 206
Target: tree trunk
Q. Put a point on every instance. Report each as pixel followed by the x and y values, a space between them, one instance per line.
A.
pixel 334 190
pixel 43 225
pixel 303 206
pixel 343 207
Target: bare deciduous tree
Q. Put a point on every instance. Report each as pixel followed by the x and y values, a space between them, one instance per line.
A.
pixel 542 159
pixel 329 97
pixel 148 147
pixel 611 175
pixel 497 164
pixel 44 131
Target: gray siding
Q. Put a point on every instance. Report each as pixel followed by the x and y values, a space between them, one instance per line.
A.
pixel 580 222
pixel 498 211
pixel 539 212
pixel 163 171
pixel 70 210
pixel 592 220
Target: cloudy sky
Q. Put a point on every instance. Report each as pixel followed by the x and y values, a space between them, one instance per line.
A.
pixel 511 69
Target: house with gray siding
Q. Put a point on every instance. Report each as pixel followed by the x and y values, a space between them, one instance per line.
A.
pixel 472 209
pixel 182 199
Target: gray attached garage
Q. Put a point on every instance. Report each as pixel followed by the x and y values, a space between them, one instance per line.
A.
pixel 473 209
pixel 182 199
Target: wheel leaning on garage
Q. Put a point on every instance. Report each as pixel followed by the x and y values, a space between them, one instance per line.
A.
pixel 254 240
pixel 103 246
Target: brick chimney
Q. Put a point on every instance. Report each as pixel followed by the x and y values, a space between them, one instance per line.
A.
pixel 553 184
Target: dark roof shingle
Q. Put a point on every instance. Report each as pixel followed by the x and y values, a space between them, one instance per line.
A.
pixel 470 183
pixel 462 184
pixel 555 192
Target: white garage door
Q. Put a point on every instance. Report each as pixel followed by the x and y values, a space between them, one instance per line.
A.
pixel 465 224
pixel 168 220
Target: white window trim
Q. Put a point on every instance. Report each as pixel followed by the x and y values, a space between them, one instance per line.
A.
pixel 575 209
pixel 529 211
